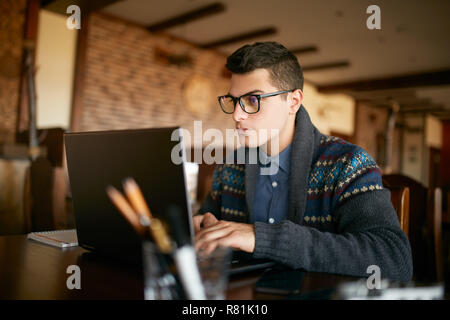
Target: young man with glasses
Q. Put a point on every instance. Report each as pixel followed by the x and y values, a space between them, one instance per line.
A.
pixel 324 209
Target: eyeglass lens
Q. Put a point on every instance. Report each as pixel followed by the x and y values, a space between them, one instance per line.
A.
pixel 250 104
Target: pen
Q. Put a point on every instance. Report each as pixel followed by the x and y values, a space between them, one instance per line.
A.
pixel 127 211
pixel 142 220
pixel 160 236
pixel 136 198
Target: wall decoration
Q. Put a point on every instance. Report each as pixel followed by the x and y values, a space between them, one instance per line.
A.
pixel 198 94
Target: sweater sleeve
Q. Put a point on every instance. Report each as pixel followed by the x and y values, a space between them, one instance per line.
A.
pixel 361 242
pixel 367 233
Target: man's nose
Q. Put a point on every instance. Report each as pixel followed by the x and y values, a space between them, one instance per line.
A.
pixel 238 113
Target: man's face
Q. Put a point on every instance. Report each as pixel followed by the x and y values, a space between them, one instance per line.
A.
pixel 259 128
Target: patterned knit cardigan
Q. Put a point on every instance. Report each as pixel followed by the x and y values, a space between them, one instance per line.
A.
pixel 331 181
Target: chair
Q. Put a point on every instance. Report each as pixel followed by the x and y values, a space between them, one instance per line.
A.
pixel 425 229
pixel 400 202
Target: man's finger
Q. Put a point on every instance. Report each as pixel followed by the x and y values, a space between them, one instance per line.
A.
pixel 197 220
pixel 218 225
pixel 203 221
pixel 209 220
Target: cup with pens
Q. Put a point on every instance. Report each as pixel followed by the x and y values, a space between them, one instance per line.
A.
pixel 170 266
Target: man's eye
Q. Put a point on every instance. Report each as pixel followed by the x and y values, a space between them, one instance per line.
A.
pixel 253 100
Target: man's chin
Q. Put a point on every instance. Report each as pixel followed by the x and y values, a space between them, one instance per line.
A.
pixel 250 142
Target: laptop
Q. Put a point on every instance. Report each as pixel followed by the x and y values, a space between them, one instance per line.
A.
pixel 156 161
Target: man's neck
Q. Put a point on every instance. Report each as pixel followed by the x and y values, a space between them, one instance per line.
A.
pixel 284 139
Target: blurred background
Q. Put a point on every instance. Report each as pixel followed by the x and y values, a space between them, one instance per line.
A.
pixel 148 63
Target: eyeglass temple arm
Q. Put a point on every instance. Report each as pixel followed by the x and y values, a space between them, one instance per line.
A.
pixel 274 93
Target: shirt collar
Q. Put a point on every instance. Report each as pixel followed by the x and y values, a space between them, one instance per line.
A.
pixel 282 159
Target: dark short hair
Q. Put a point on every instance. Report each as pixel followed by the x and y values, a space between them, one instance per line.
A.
pixel 283 67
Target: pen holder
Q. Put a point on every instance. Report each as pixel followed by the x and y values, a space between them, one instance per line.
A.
pixel 160 283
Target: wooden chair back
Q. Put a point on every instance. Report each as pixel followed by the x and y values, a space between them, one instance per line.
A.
pixel 425 227
pixel 417 233
pixel 400 202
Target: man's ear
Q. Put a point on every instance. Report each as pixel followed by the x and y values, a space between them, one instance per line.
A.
pixel 296 98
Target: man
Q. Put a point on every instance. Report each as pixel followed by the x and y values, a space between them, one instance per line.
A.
pixel 324 209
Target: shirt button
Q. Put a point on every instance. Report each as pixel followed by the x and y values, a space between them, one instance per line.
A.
pixel 274 184
pixel 271 220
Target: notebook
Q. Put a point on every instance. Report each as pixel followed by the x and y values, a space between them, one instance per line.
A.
pixel 60 238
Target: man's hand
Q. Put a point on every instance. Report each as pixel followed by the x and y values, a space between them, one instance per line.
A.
pixel 210 233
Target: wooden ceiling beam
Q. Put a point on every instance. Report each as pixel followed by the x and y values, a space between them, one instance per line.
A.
pixel 421 103
pixel 412 101
pixel 325 66
pixel 304 50
pixel 267 31
pixel 384 94
pixel 424 109
pixel 432 78
pixel 196 14
pixel 443 116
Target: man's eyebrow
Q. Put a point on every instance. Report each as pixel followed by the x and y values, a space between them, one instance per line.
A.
pixel 250 92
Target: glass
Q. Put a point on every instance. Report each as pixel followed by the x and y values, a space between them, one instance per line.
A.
pixel 159 282
pixel 249 102
pixel 214 272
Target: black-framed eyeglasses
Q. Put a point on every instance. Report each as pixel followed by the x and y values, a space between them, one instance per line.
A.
pixel 249 102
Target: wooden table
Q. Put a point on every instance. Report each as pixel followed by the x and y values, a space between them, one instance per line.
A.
pixel 31 270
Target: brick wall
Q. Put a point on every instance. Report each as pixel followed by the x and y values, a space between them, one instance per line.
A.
pixel 12 18
pixel 127 87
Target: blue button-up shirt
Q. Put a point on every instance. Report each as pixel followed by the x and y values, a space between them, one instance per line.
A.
pixel 271 199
